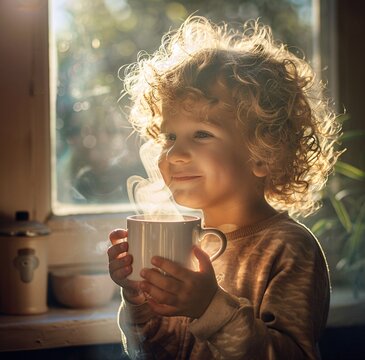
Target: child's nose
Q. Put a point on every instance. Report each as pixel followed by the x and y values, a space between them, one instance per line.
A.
pixel 179 152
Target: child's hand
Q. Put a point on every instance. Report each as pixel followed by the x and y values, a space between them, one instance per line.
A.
pixel 181 291
pixel 120 266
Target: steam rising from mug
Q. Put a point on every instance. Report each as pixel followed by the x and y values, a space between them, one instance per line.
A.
pixel 151 196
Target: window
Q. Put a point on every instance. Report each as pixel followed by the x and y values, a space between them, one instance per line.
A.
pixel 94 152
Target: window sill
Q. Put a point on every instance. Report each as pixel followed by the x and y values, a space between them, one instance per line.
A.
pixel 61 327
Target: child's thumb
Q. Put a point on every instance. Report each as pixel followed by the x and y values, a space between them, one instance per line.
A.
pixel 205 265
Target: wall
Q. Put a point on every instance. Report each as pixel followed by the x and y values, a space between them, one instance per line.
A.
pixel 25 176
pixel 351 51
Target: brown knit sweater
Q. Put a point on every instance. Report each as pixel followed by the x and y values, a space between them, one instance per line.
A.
pixel 272 302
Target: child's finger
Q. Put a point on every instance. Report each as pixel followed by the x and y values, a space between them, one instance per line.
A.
pixel 123 262
pixel 170 267
pixel 161 309
pixel 161 281
pixel 117 249
pixel 205 265
pixel 160 296
pixel 118 234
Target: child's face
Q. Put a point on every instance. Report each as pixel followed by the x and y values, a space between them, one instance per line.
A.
pixel 204 163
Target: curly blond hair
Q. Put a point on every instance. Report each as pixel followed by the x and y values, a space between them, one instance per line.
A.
pixel 280 106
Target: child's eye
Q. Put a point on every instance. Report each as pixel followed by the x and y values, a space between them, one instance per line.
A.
pixel 202 135
pixel 170 137
pixel 166 138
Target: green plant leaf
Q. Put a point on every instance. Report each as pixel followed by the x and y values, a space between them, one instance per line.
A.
pixel 343 194
pixel 342 265
pixel 357 234
pixel 342 213
pixel 323 225
pixel 352 134
pixel 343 117
pixel 349 171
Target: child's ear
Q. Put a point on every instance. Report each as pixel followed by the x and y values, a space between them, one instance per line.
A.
pixel 259 168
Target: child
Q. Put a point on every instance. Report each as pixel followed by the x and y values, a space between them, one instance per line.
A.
pixel 246 137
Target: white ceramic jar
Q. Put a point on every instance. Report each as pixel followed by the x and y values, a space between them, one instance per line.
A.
pixel 23 267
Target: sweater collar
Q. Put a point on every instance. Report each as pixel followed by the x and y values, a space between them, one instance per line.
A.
pixel 254 228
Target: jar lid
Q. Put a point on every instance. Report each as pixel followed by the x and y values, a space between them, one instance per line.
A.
pixel 23 228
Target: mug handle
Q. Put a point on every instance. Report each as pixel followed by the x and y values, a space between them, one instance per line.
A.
pixel 220 235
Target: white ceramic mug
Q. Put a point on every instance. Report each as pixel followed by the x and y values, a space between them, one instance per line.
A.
pixel 165 236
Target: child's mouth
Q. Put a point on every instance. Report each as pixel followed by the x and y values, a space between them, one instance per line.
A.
pixel 184 178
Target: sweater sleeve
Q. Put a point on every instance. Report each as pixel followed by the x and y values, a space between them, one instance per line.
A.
pixel 288 322
pixel 146 335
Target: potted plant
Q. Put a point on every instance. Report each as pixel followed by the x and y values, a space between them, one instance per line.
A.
pixel 340 223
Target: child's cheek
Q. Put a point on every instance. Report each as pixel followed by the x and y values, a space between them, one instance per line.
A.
pixel 163 166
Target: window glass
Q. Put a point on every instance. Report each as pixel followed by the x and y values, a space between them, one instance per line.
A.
pixel 94 150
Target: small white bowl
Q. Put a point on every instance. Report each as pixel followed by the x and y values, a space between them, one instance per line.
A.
pixel 82 288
